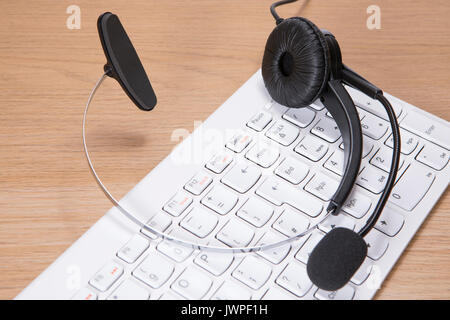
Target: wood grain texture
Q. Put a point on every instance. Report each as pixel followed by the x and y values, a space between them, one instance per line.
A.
pixel 197 54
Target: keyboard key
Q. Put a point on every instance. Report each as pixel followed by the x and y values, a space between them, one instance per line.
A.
pixel 199 222
pixel 260 120
pixel 390 222
pixel 363 272
pixel 383 159
pixel 372 105
pixel 327 129
pixel 295 279
pixel 345 293
pixel 377 244
pixel 133 249
pixel 367 146
pixel 105 278
pixel 409 142
pixel 361 114
pixel 341 220
pixel 242 177
pixel 308 246
pixel 129 290
pixel 427 128
pixel 178 204
pixel 412 186
pixel 256 212
pixel 231 291
pixel 177 252
pixel 374 127
pixel 253 272
pixel 292 170
pixel 283 132
pixel 239 142
pixel 276 254
pixel 263 155
pixel 220 199
pixel 291 223
pixel 236 234
pixel 322 186
pixel 276 293
pixel 159 222
pixel 85 294
pixel 312 148
pixel 357 205
pixel 335 162
pixel 219 162
pixel 301 117
pixel 372 179
pixel 198 183
pixel 149 233
pixel 192 284
pixel 214 262
pixel 317 105
pixel 433 156
pixel 154 270
pixel 279 192
pixel 170 295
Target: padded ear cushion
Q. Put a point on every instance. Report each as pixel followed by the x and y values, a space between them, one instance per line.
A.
pixel 295 63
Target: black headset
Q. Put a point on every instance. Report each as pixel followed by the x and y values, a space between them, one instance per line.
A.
pixel 301 63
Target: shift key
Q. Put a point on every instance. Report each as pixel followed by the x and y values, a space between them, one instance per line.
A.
pixel 412 186
pixel 427 128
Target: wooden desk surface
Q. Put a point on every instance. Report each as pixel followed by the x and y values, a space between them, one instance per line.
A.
pixel 197 54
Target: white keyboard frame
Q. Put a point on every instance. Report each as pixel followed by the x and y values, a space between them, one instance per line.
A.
pixel 101 242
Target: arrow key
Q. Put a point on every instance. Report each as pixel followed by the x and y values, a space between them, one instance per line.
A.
pixel 341 220
pixel 390 222
pixel 377 244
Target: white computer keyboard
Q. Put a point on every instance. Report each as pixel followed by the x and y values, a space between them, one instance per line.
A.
pixel 270 178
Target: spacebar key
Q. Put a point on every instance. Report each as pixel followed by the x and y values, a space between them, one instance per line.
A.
pixel 412 186
pixel 279 192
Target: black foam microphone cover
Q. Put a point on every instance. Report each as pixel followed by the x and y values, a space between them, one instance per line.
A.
pixel 123 63
pixel 295 65
pixel 336 258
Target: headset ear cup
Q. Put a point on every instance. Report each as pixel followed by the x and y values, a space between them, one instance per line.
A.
pixel 295 63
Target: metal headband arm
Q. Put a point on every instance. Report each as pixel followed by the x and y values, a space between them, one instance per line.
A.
pixel 141 224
